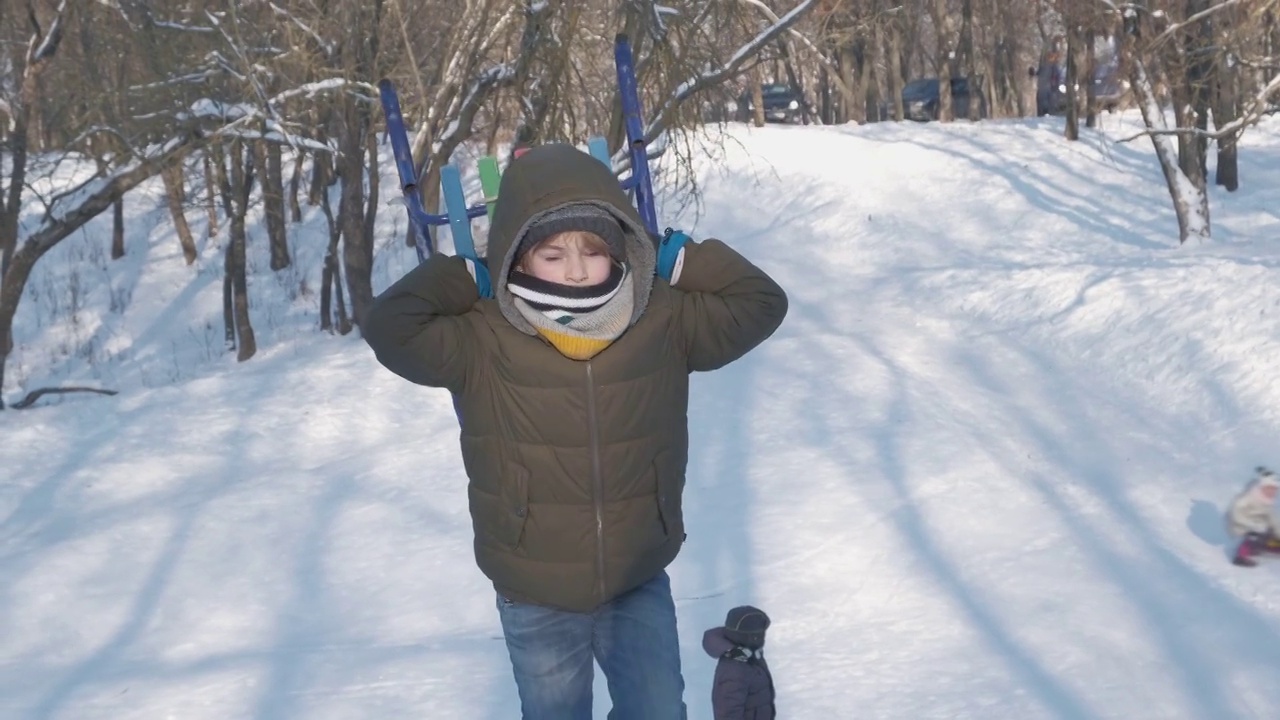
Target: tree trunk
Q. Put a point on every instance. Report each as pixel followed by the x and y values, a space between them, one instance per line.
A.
pixel 1090 69
pixel 1199 69
pixel 357 247
pixel 23 106
pixel 320 166
pixel 969 58
pixel 845 62
pixel 331 275
pixel 268 161
pixel 220 170
pixel 1072 128
pixel 1010 40
pixel 240 184
pixel 228 291
pixel 210 193
pixel 117 229
pixel 491 143
pixel 1190 202
pixel 371 203
pixel 14 280
pixel 11 206
pixel 943 60
pixel 870 83
pixel 295 183
pixel 793 79
pixel 896 82
pixel 825 110
pixel 757 98
pixel 175 194
pixel 857 75
pixel 1226 108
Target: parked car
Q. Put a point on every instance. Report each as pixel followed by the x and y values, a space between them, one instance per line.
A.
pixel 782 103
pixel 1109 86
pixel 920 101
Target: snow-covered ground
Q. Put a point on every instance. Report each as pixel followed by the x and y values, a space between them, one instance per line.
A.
pixel 978 473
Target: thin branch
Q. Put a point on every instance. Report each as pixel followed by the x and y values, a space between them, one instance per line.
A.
pixel 1258 108
pixel 1173 29
pixel 55 226
pixel 327 47
pixel 714 77
pixel 35 395
pixel 49 45
pixel 835 75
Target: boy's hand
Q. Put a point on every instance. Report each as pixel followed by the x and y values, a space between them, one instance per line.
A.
pixel 480 274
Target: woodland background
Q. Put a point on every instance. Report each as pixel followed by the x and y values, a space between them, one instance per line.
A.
pixel 243 105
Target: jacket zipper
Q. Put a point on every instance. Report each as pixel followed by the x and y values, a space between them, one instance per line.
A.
pixel 597 495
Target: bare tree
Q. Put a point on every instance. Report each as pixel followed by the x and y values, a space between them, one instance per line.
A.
pixel 944 59
pixel 1190 201
pixel 67 213
pixel 42 46
pixel 175 195
pixel 235 287
pixel 267 157
pixel 1190 79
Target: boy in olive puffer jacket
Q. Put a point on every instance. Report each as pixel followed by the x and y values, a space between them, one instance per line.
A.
pixel 571 386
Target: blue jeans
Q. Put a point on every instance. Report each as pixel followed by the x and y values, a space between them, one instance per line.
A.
pixel 634 639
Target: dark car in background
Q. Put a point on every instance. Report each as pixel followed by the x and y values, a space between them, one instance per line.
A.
pixel 920 101
pixel 782 103
pixel 1109 86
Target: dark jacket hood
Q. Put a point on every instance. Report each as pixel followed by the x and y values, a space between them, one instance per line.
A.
pixel 547 178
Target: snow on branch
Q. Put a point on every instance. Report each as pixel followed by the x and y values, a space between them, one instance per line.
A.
pixel 362 90
pixel 49 45
pixel 712 77
pixel 464 106
pixel 248 121
pixel 835 75
pixel 1177 27
pixel 1260 106
pixel 170 25
pixel 70 210
pixel 326 46
pixel 471 100
pixel 657 18
pixel 192 78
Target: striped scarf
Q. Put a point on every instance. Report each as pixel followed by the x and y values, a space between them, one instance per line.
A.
pixel 577 321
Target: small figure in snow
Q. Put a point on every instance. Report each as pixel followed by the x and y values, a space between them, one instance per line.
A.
pixel 1252 518
pixel 743 686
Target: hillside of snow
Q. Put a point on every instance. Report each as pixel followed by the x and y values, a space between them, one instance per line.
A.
pixel 978 473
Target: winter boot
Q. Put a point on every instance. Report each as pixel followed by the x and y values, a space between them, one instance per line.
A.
pixel 1245 552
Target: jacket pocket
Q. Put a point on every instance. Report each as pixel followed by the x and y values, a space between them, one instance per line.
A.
pixel 667 486
pixel 515 507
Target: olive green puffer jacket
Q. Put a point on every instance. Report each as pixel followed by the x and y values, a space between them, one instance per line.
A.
pixel 576 467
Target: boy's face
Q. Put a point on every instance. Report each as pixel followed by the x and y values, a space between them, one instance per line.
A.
pixel 1269 492
pixel 569 258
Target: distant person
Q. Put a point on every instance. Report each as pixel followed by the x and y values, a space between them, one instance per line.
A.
pixel 1252 518
pixel 743 686
pixel 1051 77
pixel 572 390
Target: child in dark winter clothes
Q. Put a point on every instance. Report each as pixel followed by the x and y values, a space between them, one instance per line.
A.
pixel 743 686
pixel 571 385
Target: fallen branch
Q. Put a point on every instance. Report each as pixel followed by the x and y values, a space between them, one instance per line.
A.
pixel 35 395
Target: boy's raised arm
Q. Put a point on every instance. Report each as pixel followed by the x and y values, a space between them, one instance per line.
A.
pixel 728 305
pixel 416 328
